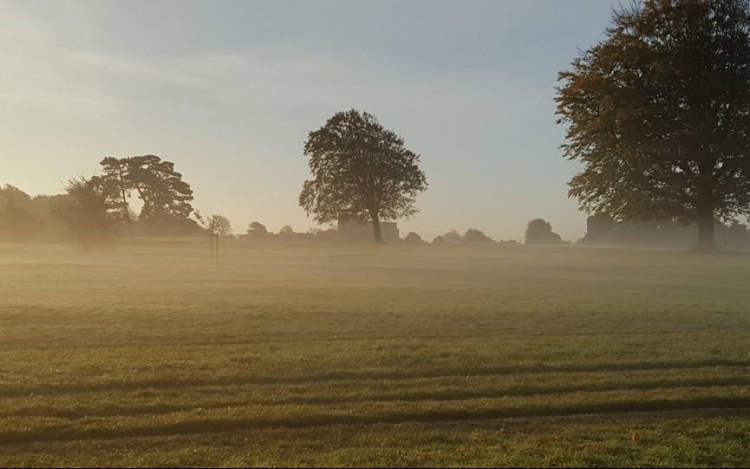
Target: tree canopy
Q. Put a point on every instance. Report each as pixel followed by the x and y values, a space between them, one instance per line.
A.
pixel 659 114
pixel 165 196
pixel 475 236
pixel 539 231
pixel 257 230
pixel 215 224
pixel 413 238
pixel 439 240
pixel 26 218
pixel 17 222
pixel 286 230
pixel 88 213
pixel 360 171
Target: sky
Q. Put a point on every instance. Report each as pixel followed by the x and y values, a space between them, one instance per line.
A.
pixel 229 90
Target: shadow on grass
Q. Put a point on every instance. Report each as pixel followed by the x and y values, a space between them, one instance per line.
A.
pixel 77 388
pixel 67 433
pixel 405 396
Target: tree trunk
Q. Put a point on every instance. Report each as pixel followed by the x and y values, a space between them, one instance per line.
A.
pixel 706 235
pixel 376 228
pixel 706 207
pixel 123 193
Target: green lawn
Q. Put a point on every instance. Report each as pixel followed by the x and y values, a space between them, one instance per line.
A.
pixel 317 355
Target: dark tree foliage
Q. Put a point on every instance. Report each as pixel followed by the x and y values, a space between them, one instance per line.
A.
pixel 600 226
pixel 117 183
pixel 286 230
pixel 166 197
pixel 659 114
pixel 26 218
pixel 360 171
pixel 413 238
pixel 89 215
pixel 17 223
pixel 453 237
pixel 540 232
pixel 474 236
pixel 257 230
pixel 439 240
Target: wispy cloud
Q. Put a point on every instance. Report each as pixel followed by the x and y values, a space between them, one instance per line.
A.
pixel 38 71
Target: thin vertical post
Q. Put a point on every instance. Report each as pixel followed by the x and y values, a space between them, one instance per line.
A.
pixel 217 248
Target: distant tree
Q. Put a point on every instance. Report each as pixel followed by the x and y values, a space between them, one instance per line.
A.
pixel 453 237
pixel 218 224
pixel 329 234
pixel 360 171
pixel 474 236
pixel 257 230
pixel 286 230
pixel 16 220
pixel 88 214
pixel 540 232
pixel 165 196
pixel 43 208
pixel 659 114
pixel 600 229
pixel 413 238
pixel 222 225
pixel 439 240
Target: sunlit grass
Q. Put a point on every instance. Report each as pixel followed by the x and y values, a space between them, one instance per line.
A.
pixel 294 354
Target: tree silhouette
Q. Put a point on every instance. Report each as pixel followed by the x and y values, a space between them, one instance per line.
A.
pixel 475 236
pixel 600 229
pixel 659 114
pixel 286 230
pixel 540 232
pixel 413 238
pixel 17 222
pixel 166 197
pixel 452 237
pixel 257 230
pixel 88 213
pixel 360 171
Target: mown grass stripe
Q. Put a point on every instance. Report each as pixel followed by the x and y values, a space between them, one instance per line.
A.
pixel 364 376
pixel 651 386
pixel 212 425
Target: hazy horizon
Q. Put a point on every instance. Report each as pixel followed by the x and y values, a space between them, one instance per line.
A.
pixel 229 92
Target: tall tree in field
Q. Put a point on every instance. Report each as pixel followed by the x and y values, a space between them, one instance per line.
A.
pixel 360 171
pixel 166 197
pixel 659 114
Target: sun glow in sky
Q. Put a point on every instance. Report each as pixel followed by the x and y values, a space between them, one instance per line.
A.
pixel 229 90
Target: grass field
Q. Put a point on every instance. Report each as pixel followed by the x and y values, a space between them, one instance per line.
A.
pixel 289 354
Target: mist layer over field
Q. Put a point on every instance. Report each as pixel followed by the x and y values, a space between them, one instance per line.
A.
pixel 295 354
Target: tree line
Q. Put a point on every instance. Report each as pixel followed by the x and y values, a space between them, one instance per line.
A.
pixel 50 218
pixel 658 113
pixel 97 210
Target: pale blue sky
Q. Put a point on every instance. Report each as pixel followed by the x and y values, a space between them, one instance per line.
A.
pixel 228 90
